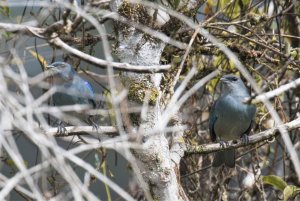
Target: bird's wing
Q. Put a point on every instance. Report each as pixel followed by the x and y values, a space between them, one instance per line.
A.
pixel 252 111
pixel 89 90
pixel 84 90
pixel 93 103
pixel 212 120
pixel 249 129
pixel 89 87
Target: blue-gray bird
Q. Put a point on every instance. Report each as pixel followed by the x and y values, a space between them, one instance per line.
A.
pixel 72 89
pixel 230 118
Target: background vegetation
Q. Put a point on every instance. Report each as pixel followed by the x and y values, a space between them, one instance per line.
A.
pixel 155 66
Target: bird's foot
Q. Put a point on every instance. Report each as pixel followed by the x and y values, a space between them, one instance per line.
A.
pixel 223 143
pixel 61 129
pixel 245 139
pixel 95 126
pixel 92 123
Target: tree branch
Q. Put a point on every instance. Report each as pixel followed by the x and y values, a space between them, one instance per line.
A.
pixel 99 62
pixel 75 130
pixel 259 137
pixel 40 32
pixel 103 131
pixel 271 94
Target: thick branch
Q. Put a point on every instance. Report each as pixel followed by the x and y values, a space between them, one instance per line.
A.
pixel 99 62
pixel 259 137
pixel 20 28
pixel 40 32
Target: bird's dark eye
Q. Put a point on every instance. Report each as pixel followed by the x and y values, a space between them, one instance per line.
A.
pixel 233 79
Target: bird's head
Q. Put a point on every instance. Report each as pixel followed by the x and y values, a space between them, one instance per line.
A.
pixel 232 83
pixel 62 70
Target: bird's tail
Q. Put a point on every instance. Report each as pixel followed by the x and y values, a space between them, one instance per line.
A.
pixel 227 157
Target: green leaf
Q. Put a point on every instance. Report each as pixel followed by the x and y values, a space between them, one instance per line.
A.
pixel 11 163
pixel 104 170
pixel 176 3
pixel 4 10
pixel 246 2
pixel 39 57
pixel 275 181
pixel 6 35
pixel 211 85
pixel 112 115
pixel 290 192
pixel 176 59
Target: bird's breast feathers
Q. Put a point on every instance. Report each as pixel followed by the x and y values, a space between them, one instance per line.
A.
pixel 233 117
pixel 233 105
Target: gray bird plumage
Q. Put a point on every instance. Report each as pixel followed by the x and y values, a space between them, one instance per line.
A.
pixel 230 118
pixel 72 89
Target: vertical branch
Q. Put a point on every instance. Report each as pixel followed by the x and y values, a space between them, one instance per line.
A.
pixel 135 47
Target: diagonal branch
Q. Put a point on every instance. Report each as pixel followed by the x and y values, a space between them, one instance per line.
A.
pixel 259 137
pixel 103 63
pixel 42 33
pixel 271 94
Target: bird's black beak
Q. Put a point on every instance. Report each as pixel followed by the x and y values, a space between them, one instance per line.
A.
pixel 53 68
pixel 50 67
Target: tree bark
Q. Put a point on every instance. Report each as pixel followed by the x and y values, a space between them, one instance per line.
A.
pixel 155 162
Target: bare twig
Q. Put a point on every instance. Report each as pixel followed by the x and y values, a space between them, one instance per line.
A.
pixel 276 92
pixel 75 130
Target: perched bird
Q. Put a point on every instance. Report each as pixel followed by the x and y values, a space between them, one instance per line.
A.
pixel 230 118
pixel 71 90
